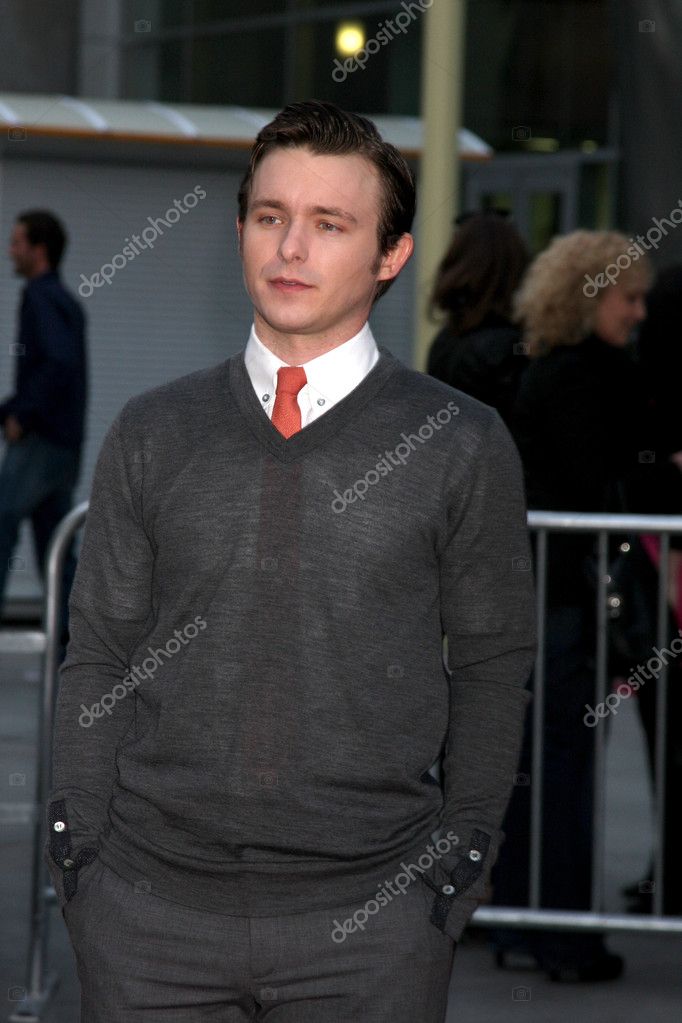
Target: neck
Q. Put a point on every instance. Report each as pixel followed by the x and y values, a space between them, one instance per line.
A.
pixel 37 271
pixel 297 349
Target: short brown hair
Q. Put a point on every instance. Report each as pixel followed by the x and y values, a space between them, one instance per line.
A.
pixel 480 272
pixel 325 129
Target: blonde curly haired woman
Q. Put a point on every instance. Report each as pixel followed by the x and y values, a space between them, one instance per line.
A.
pixel 580 419
pixel 579 422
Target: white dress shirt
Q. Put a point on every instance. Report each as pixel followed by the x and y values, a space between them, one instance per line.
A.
pixel 330 376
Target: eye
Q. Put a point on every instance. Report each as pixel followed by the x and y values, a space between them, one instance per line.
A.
pixel 334 227
pixel 267 218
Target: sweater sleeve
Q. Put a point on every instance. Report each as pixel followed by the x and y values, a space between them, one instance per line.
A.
pixel 488 616
pixel 109 609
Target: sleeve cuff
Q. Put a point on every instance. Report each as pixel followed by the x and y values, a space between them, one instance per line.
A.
pixel 459 878
pixel 63 862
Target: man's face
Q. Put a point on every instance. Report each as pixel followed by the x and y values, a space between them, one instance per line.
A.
pixel 21 252
pixel 309 246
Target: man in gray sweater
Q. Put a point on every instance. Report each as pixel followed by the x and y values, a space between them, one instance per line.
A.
pixel 243 823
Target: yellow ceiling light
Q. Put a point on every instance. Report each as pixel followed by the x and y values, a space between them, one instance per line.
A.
pixel 350 37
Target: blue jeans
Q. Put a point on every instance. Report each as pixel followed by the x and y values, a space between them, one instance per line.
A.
pixel 37 479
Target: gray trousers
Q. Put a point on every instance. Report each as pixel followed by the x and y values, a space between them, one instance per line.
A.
pixel 144 958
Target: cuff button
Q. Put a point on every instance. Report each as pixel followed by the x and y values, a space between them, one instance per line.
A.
pixel 448 889
pixel 68 864
pixel 59 825
pixel 474 855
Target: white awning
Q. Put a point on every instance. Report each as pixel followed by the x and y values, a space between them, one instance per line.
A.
pixel 130 120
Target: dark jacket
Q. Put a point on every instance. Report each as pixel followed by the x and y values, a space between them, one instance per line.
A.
pixel 50 370
pixel 581 425
pixel 485 362
pixel 660 362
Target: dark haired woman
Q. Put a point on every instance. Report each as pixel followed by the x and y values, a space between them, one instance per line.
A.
pixel 479 351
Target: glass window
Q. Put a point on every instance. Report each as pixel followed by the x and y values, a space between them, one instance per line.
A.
pixel 186 13
pixel 538 72
pixel 245 69
pixel 545 219
pixel 538 69
pixel 224 10
pixel 381 80
pixel 501 201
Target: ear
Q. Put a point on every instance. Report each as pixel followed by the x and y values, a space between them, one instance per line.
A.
pixel 395 259
pixel 240 226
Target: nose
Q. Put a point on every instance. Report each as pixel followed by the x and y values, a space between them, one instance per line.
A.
pixel 640 310
pixel 293 244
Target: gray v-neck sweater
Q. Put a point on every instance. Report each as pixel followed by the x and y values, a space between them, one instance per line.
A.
pixel 254 689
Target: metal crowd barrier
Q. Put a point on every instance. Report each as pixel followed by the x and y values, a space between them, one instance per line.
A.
pixel 41 985
pixel 594 919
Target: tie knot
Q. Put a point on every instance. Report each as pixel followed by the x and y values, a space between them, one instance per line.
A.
pixel 290 379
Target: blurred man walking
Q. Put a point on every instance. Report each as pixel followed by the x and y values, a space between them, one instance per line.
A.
pixel 43 420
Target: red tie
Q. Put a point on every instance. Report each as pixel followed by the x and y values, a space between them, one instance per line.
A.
pixel 286 415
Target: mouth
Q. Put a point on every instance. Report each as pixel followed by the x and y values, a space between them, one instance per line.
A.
pixel 289 284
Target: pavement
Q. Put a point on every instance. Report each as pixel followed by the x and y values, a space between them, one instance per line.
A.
pixel 650 990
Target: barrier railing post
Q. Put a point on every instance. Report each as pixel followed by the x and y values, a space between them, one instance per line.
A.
pixel 537 757
pixel 661 727
pixel 599 771
pixel 41 985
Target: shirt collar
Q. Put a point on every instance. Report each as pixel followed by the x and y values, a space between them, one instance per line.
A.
pixel 331 376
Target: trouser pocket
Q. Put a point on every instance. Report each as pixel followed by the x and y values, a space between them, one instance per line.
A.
pixel 86 876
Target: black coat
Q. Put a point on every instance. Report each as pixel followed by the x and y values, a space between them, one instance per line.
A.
pixel 485 362
pixel 582 427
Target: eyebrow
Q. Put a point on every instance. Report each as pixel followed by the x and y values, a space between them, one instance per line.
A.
pixel 325 211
